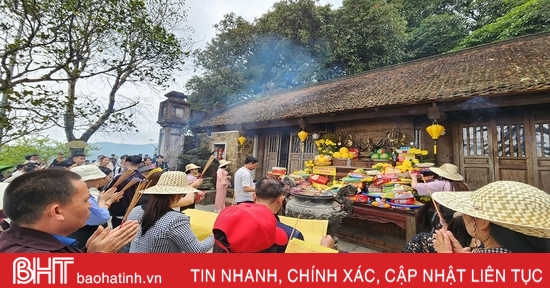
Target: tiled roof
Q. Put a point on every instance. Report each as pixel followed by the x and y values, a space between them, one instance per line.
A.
pixel 515 66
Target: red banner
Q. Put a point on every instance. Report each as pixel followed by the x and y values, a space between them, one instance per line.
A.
pixel 276 270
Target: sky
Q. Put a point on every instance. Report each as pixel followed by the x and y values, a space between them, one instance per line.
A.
pixel 202 15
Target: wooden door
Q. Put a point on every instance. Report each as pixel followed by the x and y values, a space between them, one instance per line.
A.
pixel 272 150
pixel 299 152
pixel 509 149
pixel 476 154
pixel 515 146
pixel 540 132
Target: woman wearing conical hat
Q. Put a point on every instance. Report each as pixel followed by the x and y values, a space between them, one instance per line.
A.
pixel 223 180
pixel 503 216
pixel 162 229
pixel 447 179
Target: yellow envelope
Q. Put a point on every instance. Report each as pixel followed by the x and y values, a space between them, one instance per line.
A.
pixel 299 246
pixel 312 229
pixel 202 222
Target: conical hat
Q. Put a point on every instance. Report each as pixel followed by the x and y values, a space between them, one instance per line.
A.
pixel 171 182
pixel 517 206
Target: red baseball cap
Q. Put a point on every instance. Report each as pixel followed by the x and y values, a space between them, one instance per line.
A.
pixel 249 228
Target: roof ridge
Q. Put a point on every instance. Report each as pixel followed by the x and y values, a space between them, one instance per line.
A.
pixel 501 79
pixel 393 66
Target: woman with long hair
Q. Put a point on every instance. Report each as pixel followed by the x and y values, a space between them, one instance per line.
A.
pixel 503 217
pixel 423 241
pixel 162 229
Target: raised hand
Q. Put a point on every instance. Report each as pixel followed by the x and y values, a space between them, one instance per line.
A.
pixel 110 196
pixel 327 241
pixel 108 240
pixel 445 242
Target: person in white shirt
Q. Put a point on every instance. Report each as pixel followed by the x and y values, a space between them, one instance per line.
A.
pixel 244 185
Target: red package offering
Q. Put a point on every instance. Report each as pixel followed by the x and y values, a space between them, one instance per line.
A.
pixel 318 179
pixel 385 178
pixel 355 153
pixel 406 201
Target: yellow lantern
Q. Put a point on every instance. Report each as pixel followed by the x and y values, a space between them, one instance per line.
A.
pixel 302 135
pixel 241 140
pixel 435 130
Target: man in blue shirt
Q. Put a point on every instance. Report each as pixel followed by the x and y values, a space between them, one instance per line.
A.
pixel 45 206
pixel 99 202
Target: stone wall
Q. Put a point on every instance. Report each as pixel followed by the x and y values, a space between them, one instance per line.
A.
pixel 247 149
pixel 232 147
pixel 234 152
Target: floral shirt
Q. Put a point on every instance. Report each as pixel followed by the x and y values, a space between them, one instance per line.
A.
pixel 421 243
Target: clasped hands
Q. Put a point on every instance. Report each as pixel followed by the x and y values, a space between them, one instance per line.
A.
pixel 445 242
pixel 111 240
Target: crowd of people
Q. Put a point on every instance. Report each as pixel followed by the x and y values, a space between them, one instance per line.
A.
pixel 84 208
pixel 115 164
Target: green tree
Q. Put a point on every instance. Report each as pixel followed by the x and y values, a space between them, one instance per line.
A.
pixel 370 34
pixel 302 31
pixel 530 17
pixel 296 43
pixel 28 103
pixel 437 34
pixel 222 63
pixel 114 42
pixel 287 47
pixel 437 26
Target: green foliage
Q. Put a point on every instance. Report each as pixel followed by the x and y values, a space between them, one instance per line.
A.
pixel 69 42
pixel 530 17
pixel 285 48
pixel 370 34
pixel 296 43
pixel 437 34
pixel 437 26
pixel 222 62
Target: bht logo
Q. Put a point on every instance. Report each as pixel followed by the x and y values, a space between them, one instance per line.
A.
pixel 27 271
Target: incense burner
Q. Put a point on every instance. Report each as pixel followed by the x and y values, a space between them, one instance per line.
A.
pixel 324 206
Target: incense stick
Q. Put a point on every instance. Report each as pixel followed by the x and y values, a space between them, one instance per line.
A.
pixel 441 219
pixel 123 177
pixel 294 228
pixel 130 184
pixel 210 160
pixel 141 186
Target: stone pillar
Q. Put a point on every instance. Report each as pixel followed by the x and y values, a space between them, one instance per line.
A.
pixel 174 116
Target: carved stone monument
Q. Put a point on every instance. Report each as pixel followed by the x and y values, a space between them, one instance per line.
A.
pixel 174 116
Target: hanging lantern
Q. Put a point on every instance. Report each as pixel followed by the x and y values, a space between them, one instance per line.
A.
pixel 302 135
pixel 435 130
pixel 315 136
pixel 241 140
